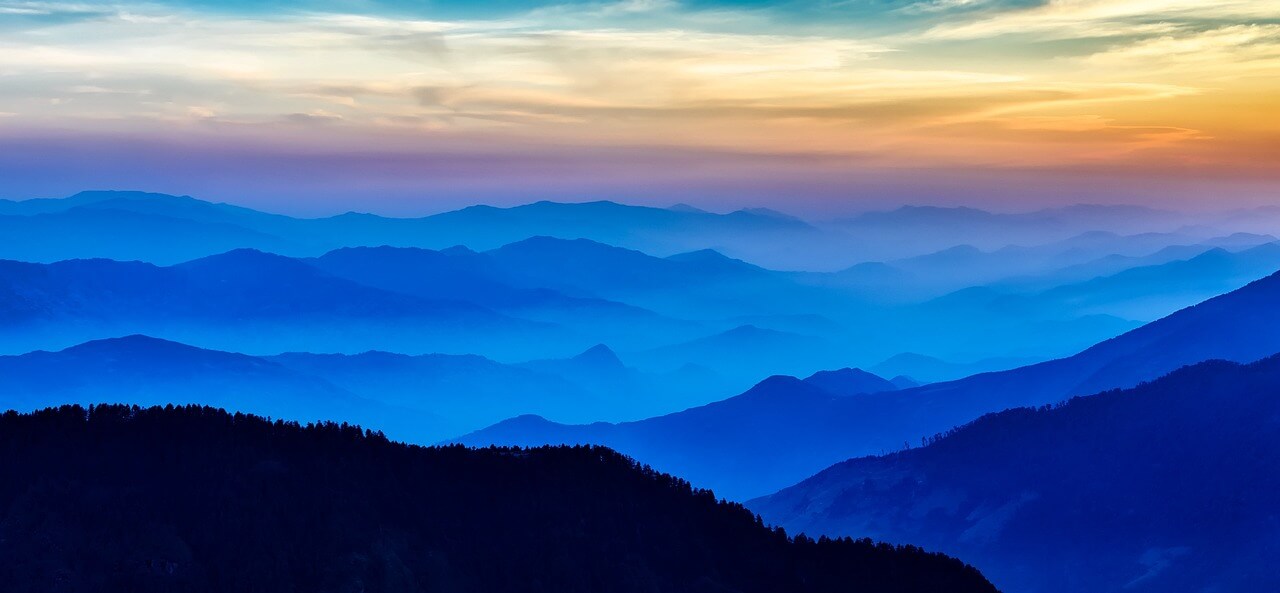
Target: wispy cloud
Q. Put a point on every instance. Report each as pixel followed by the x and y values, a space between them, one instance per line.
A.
pixel 1237 47
pixel 937 83
pixel 1075 19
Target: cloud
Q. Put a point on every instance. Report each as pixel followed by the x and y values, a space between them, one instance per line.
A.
pixel 956 82
pixel 1236 47
pixel 1081 19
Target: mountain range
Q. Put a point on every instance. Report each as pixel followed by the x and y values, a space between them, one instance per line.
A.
pixel 720 445
pixel 90 224
pixel 147 371
pixel 130 225
pixel 646 281
pixel 598 325
pixel 423 398
pixel 1166 487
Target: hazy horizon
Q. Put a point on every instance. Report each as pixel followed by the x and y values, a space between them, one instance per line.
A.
pixel 805 106
pixel 429 207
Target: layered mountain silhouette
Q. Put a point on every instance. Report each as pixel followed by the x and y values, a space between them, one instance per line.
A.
pixel 721 445
pixel 562 277
pixel 242 300
pixel 1143 290
pixel 579 283
pixel 1135 292
pixel 134 225
pixel 498 304
pixel 235 285
pixel 127 499
pixel 422 398
pixel 157 228
pixel 750 234
pixel 467 390
pixel 1167 487
pixel 148 371
pixel 741 349
pixel 738 447
pixel 849 382
pixel 1078 258
pixel 472 391
pixel 945 227
pixel 460 274
pixel 930 369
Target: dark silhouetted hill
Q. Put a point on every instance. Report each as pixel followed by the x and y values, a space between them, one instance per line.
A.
pixel 119 499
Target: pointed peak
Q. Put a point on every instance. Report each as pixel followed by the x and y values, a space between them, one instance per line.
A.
pixel 599 354
pixel 775 382
pixel 244 258
pixel 710 257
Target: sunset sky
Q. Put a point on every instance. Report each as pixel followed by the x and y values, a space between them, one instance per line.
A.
pixel 412 107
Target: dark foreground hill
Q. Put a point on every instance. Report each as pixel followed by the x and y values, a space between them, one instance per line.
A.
pixel 1170 487
pixel 119 498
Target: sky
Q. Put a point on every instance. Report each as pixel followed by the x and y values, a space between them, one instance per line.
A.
pixel 398 106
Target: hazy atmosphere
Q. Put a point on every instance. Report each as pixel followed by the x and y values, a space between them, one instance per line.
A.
pixel 650 296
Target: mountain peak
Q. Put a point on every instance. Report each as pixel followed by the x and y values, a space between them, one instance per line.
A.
pixel 548 241
pixel 99 195
pixel 849 381
pixel 711 257
pixel 134 343
pixel 599 355
pixel 588 205
pixel 773 387
pixel 244 259
pixel 147 350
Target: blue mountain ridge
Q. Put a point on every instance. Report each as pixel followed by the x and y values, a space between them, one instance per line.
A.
pixel 720 445
pixel 1165 487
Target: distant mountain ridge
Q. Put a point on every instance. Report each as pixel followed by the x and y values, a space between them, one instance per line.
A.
pixel 720 444
pixel 1166 487
pixel 809 429
pixel 550 292
pixel 150 371
pixel 746 234
pixel 415 398
pixel 223 227
pixel 514 303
